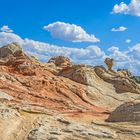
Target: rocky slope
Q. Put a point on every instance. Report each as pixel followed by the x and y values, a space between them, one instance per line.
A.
pixel 60 100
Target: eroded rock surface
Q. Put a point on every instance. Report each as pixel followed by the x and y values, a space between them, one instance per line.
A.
pixel 8 113
pixel 61 100
pixel 122 84
pixel 9 50
pixel 127 112
pixel 60 61
pixel 64 129
pixel 80 73
pixel 109 62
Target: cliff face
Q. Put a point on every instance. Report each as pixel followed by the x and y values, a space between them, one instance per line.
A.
pixel 62 100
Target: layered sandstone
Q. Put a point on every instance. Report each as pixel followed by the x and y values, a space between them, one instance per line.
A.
pixel 126 112
pixel 64 101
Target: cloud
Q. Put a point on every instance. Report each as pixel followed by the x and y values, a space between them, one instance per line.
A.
pixel 94 55
pixel 117 54
pixel 121 8
pixel 120 29
pixel 79 55
pixel 128 59
pixel 128 41
pixel 44 51
pixel 6 29
pixel 69 32
pixel 133 8
pixel 6 38
pixel 134 52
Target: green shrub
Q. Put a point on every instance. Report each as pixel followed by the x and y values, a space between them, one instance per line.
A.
pixel 136 79
pixel 34 57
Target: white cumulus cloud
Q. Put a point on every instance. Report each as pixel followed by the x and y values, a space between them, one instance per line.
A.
pixel 91 54
pixel 94 55
pixel 126 59
pixel 5 28
pixel 119 29
pixel 133 8
pixel 128 40
pixel 6 38
pixel 70 32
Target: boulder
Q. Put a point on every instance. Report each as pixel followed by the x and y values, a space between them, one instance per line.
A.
pixel 80 73
pixel 60 61
pixel 126 112
pixel 10 50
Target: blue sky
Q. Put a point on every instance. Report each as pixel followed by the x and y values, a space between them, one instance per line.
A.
pixel 28 17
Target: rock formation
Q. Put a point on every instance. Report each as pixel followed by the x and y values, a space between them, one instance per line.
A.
pixel 88 75
pixel 9 50
pixel 28 80
pixel 60 61
pixel 64 101
pixel 109 62
pixel 80 73
pixel 122 84
pixel 126 112
pixel 124 73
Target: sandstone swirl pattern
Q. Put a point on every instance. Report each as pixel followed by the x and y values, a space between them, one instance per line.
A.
pixel 60 100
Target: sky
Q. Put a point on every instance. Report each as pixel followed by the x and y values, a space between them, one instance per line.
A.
pixel 87 31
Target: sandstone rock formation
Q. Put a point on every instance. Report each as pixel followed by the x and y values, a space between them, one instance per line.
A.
pixel 88 75
pixel 29 81
pixel 126 112
pixel 26 124
pixel 65 129
pixel 60 61
pixel 9 50
pixel 121 83
pixel 109 62
pixel 124 73
pixel 61 100
pixel 80 73
pixel 8 113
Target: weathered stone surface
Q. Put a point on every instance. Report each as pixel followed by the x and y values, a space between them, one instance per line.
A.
pixel 121 84
pixel 60 61
pixel 80 73
pixel 58 100
pixel 36 126
pixel 33 83
pixel 51 67
pixel 44 130
pixel 91 76
pixel 7 113
pixel 9 50
pixel 109 62
pixel 5 96
pixel 126 112
pixel 124 73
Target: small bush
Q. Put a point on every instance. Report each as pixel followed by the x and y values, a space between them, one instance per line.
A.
pixel 136 79
pixel 34 57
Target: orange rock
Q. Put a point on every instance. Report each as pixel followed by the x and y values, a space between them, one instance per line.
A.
pixel 28 82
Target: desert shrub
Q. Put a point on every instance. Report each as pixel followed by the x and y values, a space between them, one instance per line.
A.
pixel 136 79
pixel 34 57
